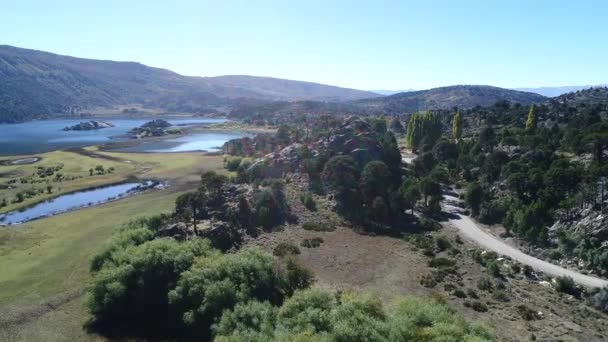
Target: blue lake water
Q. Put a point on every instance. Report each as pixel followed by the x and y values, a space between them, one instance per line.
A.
pixel 47 135
pixel 75 200
pixel 206 141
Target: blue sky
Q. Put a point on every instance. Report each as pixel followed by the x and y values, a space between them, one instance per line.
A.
pixel 359 44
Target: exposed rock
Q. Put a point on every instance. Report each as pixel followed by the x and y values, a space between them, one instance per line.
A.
pixel 88 126
pixel 590 223
pixel 158 123
pixel 179 231
pixel 154 128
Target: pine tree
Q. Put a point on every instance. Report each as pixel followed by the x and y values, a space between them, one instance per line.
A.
pixel 531 122
pixel 457 125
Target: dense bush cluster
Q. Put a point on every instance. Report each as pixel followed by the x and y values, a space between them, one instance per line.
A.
pixel 159 286
pixel 315 315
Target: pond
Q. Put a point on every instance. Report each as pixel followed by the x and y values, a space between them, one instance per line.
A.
pixel 75 200
pixel 48 135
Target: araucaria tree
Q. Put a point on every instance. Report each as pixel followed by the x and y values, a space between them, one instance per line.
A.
pixel 457 125
pixel 531 122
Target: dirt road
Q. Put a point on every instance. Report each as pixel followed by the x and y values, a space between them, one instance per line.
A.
pixel 472 231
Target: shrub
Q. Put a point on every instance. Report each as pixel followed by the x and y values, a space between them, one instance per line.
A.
pixel 527 313
pixel 515 268
pixel 600 300
pixel 566 284
pixel 501 296
pixel 251 321
pixel 216 284
pixel 527 270
pixel 285 248
pixel 493 269
pixel 441 262
pixel 442 243
pixel 316 226
pixel 308 201
pixel 233 163
pixel 132 290
pixel 459 293
pixel 477 306
pixel 420 241
pixel 471 293
pixel 312 243
pixel 485 284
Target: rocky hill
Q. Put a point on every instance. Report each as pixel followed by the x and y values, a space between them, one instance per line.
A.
pixel 461 96
pixel 36 84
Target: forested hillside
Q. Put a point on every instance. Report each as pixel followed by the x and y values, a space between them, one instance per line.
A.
pixel 36 84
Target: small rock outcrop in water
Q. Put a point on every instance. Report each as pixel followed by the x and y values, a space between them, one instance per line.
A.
pixel 88 126
pixel 158 123
pixel 154 128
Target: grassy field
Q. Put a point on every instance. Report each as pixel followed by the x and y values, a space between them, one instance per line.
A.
pixel 45 263
pixel 73 169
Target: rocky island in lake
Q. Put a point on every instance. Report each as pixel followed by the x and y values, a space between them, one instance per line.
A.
pixel 88 126
pixel 154 128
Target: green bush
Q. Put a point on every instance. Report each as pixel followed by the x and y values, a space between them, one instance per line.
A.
pixel 285 248
pixel 527 313
pixel 442 242
pixel 600 300
pixel 312 243
pixel 501 296
pixel 133 289
pixel 493 269
pixel 233 163
pixel 459 293
pixel 566 284
pixel 216 284
pixel 441 262
pixel 308 201
pixel 251 321
pixel 316 226
pixel 477 306
pixel 485 284
pixel 471 293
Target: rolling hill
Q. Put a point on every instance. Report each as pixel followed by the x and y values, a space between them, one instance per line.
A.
pixel 36 84
pixel 461 96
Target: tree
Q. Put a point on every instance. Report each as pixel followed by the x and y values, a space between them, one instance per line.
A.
pixel 423 127
pixel 531 121
pixel 474 197
pixel 487 137
pixel 283 135
pixel 410 193
pixel 396 126
pixel 375 180
pixel 341 174
pixel 429 188
pixel 457 125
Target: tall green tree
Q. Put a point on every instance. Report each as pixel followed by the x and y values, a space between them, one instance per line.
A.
pixel 531 121
pixel 457 125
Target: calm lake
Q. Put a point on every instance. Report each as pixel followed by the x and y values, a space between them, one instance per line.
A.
pixel 75 200
pixel 206 141
pixel 47 135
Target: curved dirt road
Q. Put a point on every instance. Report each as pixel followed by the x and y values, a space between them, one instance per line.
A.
pixel 473 232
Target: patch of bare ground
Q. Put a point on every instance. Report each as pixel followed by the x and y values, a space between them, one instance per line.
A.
pixel 515 307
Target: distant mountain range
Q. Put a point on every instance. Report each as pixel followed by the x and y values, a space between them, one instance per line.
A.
pixel 36 84
pixel 387 92
pixel 545 91
pixel 557 91
pixel 461 96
